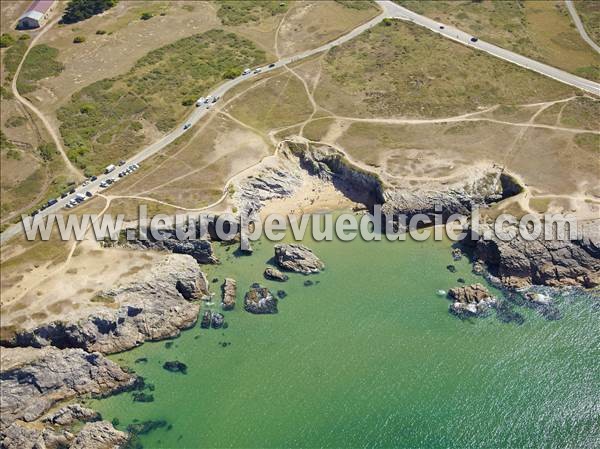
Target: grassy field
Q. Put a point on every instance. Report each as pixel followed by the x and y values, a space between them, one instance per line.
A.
pixel 589 13
pixel 539 29
pixel 238 12
pixel 40 63
pixel 400 69
pixel 280 101
pixel 104 122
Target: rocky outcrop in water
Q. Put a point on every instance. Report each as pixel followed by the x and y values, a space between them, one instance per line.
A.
pixel 519 262
pixel 273 274
pixel 470 300
pixel 33 380
pixel 297 258
pixel 229 290
pixel 259 300
pixel 156 306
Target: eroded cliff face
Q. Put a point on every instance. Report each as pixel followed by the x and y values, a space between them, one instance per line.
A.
pixel 158 305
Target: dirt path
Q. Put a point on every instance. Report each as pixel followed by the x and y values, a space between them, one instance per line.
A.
pixel 36 111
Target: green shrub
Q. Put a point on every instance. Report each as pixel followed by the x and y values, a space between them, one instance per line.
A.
pixel 188 102
pixel 24 37
pixel 78 10
pixel 47 151
pixel 237 12
pixel 6 40
pixel 146 16
pixel 78 39
pixel 15 121
pixel 100 32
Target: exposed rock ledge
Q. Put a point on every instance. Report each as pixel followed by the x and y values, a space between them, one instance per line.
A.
pixel 156 306
pixel 297 258
pixel 33 380
pixel 470 300
pixel 519 263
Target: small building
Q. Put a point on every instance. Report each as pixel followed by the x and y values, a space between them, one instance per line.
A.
pixel 36 15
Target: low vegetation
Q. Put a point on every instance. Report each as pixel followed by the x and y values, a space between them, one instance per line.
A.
pixel 589 13
pixel 13 56
pixel 405 70
pixel 542 30
pixel 6 40
pixel 101 122
pixel 79 39
pixel 237 12
pixel 78 10
pixel 357 4
pixel 40 63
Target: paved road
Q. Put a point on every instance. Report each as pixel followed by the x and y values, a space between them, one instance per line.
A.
pixel 390 10
pixel 393 10
pixel 579 26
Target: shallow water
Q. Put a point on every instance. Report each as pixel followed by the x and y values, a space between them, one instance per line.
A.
pixel 370 357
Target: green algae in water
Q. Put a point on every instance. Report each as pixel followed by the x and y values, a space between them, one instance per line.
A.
pixel 370 357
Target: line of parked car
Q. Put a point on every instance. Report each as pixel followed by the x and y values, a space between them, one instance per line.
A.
pixel 81 197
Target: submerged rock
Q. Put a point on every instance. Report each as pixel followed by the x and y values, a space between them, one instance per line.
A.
pixel 281 294
pixel 538 299
pixel 273 274
pixel 259 300
pixel 470 300
pixel 175 366
pixel 229 290
pixel 456 254
pixel 297 258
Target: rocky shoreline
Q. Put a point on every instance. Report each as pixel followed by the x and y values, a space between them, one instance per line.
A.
pixel 62 360
pixel 59 361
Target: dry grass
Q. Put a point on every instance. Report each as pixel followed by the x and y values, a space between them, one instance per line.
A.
pixel 405 70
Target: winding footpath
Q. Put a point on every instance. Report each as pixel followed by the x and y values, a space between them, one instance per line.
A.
pixel 389 10
pixel 36 111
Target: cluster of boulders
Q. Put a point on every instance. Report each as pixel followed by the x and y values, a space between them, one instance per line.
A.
pixel 470 300
pixel 229 290
pixel 260 300
pixel 212 319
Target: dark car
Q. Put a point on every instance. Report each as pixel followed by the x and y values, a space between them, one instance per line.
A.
pixel 88 194
pixel 121 162
pixel 72 191
pixel 441 27
pixel 34 213
pixel 93 178
pixel 271 65
pixel 474 39
pixel 64 194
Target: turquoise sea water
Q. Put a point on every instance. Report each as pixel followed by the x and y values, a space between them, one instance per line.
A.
pixel 370 357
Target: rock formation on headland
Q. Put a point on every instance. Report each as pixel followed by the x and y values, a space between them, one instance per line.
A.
pixel 200 249
pixel 273 274
pixel 229 290
pixel 519 262
pixel 156 306
pixel 34 380
pixel 297 258
pixel 470 300
pixel 259 300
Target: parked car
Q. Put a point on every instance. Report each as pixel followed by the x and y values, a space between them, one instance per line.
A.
pixel 474 39
pixel 186 126
pixel 271 65
pixel 64 194
pixel 93 178
pixel 121 162
pixel 246 72
pixel 103 184
pixel 257 70
pixel 35 212
pixel 88 194
pixel 72 191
